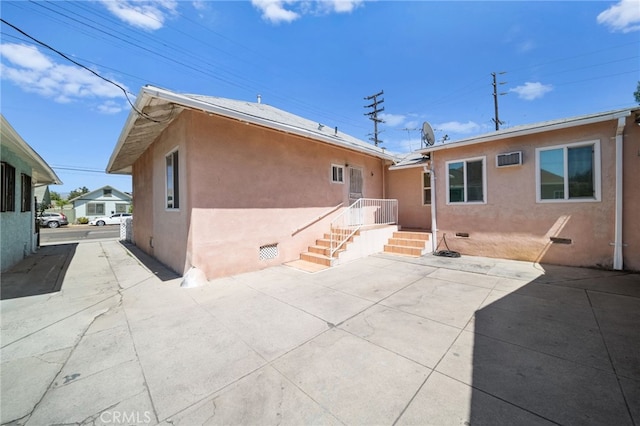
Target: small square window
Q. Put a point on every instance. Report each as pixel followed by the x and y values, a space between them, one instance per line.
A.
pixel 337 173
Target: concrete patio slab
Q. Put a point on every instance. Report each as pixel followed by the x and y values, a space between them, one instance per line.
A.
pixel 187 355
pixel 382 340
pixel 536 382
pixel 358 382
pixel 263 397
pixel 414 337
pixel 438 300
pixel 445 401
pixel 268 326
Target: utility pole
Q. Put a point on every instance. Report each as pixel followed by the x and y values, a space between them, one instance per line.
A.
pixel 495 98
pixel 373 115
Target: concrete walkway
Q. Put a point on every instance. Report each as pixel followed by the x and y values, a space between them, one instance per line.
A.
pixel 383 340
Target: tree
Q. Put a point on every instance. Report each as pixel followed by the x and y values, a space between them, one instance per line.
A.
pixel 78 192
pixel 637 93
pixel 55 196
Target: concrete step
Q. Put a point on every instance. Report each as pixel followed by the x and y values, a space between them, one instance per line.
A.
pixel 403 250
pixel 407 242
pixel 325 250
pixel 412 235
pixel 320 259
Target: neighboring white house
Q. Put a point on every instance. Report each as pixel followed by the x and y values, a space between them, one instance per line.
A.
pixel 103 201
pixel 22 171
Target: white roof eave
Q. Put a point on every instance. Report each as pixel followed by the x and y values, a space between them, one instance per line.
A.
pixel 532 129
pixel 148 93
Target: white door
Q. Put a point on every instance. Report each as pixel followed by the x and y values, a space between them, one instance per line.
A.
pixel 355 193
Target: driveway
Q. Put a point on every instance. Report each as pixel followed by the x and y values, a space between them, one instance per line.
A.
pixel 382 340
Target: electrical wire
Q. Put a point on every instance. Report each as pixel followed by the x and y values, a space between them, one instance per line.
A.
pixel 126 93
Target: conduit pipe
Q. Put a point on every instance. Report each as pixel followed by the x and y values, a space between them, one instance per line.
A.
pixel 617 243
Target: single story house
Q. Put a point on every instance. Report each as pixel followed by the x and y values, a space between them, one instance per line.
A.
pixel 23 170
pixel 42 197
pixel 229 186
pixel 103 201
pixel 561 192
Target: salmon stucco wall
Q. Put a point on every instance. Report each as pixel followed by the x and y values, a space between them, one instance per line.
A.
pixel 159 231
pixel 405 185
pixel 242 187
pixel 512 224
pixel 252 187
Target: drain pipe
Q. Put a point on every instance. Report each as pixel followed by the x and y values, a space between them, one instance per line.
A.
pixel 617 243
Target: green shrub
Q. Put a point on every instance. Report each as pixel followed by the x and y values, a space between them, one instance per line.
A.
pixel 83 220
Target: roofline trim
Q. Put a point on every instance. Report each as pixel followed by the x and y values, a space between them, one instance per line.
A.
pixel 529 130
pixel 149 92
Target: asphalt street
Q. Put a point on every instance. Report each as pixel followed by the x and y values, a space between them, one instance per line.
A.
pixel 78 233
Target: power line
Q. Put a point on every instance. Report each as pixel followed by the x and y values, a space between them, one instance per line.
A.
pixel 126 94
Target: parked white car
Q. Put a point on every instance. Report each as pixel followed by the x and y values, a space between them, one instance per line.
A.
pixel 114 219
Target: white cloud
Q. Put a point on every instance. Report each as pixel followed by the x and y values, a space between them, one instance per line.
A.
pixel 34 72
pixel 460 128
pixel 148 15
pixel 274 11
pixel 623 16
pixel 392 120
pixel 530 91
pixel 277 11
pixel 341 6
pixel 110 107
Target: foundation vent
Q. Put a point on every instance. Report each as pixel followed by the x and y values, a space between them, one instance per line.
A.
pixel 269 251
pixel 509 159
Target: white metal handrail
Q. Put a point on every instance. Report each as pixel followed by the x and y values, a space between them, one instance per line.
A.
pixel 363 212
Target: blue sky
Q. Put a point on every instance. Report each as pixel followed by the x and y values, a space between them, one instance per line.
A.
pixel 317 59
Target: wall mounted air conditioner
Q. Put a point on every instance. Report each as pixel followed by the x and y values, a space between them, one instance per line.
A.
pixel 509 159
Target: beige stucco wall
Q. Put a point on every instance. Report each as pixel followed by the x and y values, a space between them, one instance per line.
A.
pixel 157 230
pixel 405 185
pixel 242 187
pixel 512 224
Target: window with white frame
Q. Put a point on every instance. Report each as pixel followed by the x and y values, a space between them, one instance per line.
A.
pixel 121 208
pixel 95 209
pixel 426 188
pixel 173 182
pixel 337 173
pixel 466 181
pixel 568 172
pixel 107 192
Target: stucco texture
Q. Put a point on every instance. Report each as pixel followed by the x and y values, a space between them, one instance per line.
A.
pixel 405 185
pixel 242 187
pixel 17 228
pixel 513 225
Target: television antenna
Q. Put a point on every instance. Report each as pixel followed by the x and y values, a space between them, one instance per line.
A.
pixel 427 134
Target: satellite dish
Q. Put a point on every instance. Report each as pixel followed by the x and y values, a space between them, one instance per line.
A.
pixel 427 134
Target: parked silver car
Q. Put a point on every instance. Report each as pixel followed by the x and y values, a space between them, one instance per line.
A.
pixel 52 220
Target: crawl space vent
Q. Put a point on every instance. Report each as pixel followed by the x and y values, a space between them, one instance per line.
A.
pixel 269 251
pixel 509 159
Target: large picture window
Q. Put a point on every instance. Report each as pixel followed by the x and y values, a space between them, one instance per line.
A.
pixel 8 202
pixel 95 209
pixel 568 172
pixel 173 183
pixel 466 181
